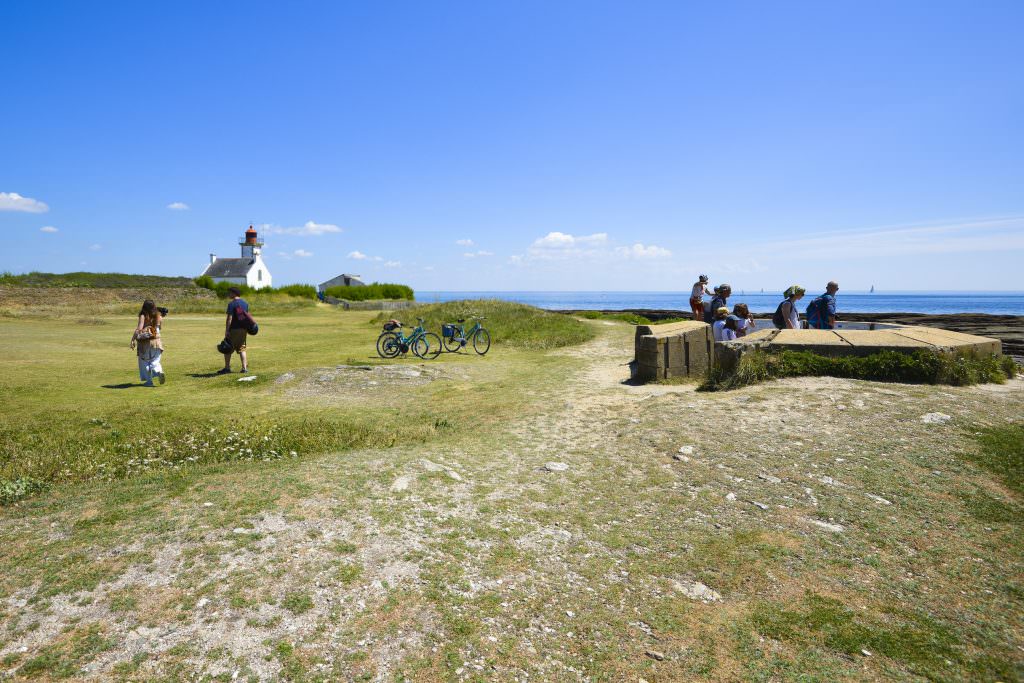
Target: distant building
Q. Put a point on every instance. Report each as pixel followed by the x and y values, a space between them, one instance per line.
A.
pixel 249 270
pixel 343 280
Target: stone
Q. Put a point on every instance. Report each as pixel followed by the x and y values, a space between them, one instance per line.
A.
pixel 828 526
pixel 878 499
pixel 730 496
pixel 760 506
pixel 654 654
pixel 935 418
pixel 452 474
pixel 695 590
pixel 431 466
pixel 769 478
pixel 555 466
pixel 401 484
pixel 249 378
pixel 681 458
pixel 686 450
pixel 285 377
pixel 207 504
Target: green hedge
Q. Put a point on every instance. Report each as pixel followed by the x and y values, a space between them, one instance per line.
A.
pixel 221 288
pixel 372 291
pixel 919 367
pixel 94 280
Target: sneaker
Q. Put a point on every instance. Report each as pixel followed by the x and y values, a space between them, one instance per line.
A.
pixel 148 384
pixel 224 371
pixel 162 377
pixel 244 371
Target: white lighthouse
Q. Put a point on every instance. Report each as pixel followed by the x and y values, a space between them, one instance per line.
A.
pixel 248 270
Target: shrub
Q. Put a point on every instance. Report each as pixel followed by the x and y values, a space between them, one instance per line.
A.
pixel 509 323
pixel 920 367
pixel 91 280
pixel 372 291
pixel 221 288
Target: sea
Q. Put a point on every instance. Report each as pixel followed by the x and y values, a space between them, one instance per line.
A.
pixel 994 303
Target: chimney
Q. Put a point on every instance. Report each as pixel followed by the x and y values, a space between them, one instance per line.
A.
pixel 213 257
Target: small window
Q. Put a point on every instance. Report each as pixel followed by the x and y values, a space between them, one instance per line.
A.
pixel 259 275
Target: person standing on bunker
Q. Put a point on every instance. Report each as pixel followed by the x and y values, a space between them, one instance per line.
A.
pixel 700 288
pixel 821 312
pixel 720 299
pixel 787 316
pixel 235 330
pixel 148 345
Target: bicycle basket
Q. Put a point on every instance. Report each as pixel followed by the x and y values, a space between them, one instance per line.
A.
pixel 392 325
pixel 447 331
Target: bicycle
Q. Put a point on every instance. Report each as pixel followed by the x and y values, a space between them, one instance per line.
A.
pixel 455 336
pixel 391 342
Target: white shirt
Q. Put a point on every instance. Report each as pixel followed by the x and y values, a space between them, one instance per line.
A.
pixel 722 333
pixel 698 291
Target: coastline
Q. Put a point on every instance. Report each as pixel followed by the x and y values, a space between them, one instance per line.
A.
pixel 1009 329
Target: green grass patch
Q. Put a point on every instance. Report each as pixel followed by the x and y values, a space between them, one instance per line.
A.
pixel 626 317
pixel 65 657
pixel 372 292
pixel 510 324
pixel 92 280
pixel 297 602
pixel 919 367
pixel 1001 452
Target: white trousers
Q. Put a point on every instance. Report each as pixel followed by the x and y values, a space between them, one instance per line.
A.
pixel 149 364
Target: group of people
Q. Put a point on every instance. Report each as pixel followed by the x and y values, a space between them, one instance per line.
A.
pixel 147 339
pixel 729 325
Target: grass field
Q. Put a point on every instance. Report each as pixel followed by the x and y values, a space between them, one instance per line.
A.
pixel 526 515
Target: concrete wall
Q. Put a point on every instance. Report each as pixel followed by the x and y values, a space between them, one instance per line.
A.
pixel 674 350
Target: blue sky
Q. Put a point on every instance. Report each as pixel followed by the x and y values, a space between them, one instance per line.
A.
pixel 520 146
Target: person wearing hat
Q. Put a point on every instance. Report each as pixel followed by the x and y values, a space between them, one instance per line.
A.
pixel 700 288
pixel 721 328
pixel 744 320
pixel 821 312
pixel 787 317
pixel 720 299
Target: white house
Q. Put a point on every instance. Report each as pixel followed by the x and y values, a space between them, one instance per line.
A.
pixel 249 270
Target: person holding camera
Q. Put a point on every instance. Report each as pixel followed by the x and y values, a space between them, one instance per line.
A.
pixel 235 331
pixel 148 344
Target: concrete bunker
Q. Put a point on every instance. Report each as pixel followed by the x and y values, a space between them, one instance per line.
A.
pixel 688 349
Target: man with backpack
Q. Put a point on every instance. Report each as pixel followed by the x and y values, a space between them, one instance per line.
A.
pixel 821 312
pixel 236 329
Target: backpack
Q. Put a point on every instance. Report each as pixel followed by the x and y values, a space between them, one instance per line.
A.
pixel 817 312
pixel 779 320
pixel 243 316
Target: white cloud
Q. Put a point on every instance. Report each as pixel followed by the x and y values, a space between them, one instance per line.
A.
pixel 48 228
pixel 478 254
pixel 464 243
pixel 393 264
pixel 310 228
pixel 178 206
pixel 298 253
pixel 561 240
pixel 357 255
pixel 302 253
pixel 12 201
pixel 94 247
pixel 639 251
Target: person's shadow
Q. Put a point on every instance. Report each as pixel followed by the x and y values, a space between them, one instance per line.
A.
pixel 126 385
pixel 203 375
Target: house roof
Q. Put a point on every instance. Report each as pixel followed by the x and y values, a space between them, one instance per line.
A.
pixel 230 267
pixel 340 280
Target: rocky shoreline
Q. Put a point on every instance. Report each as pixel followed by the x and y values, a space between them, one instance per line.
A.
pixel 1009 329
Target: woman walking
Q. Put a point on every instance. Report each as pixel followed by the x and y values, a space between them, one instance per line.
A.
pixel 148 345
pixel 787 317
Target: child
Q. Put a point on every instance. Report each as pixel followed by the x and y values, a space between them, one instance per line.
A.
pixel 744 321
pixel 700 288
pixel 148 345
pixel 723 330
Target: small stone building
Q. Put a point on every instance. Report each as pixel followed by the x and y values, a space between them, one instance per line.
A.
pixel 343 280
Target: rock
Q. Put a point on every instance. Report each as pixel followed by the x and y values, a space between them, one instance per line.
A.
pixel 203 602
pixel 935 418
pixel 249 378
pixel 695 590
pixel 760 506
pixel 769 478
pixel 686 450
pixel 555 466
pixel 239 530
pixel 878 499
pixel 829 526
pixel 681 458
pixel 401 484
pixel 865 653
pixel 207 504
pixel 452 474
pixel 431 466
pixel 730 496
pixel 654 654
pixel 285 377
pixel 569 613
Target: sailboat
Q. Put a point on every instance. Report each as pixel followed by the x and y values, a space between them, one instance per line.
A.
pixel 872 290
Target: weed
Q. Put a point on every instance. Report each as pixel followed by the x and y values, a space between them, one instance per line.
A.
pixel 297 602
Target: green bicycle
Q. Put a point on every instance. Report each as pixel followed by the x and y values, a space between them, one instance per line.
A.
pixel 455 336
pixel 392 343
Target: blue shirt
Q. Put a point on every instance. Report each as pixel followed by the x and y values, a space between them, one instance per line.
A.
pixel 233 305
pixel 821 310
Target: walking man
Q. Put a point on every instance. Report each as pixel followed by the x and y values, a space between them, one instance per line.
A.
pixel 235 330
pixel 821 312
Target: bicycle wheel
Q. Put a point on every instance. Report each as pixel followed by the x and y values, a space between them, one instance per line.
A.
pixel 452 344
pixel 387 345
pixel 427 347
pixel 481 341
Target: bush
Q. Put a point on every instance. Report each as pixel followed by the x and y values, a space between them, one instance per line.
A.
pixel 372 291
pixel 920 367
pixel 221 288
pixel 510 324
pixel 94 280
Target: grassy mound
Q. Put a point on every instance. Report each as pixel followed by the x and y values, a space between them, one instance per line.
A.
pixel 920 367
pixel 510 324
pixel 372 292
pixel 93 280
